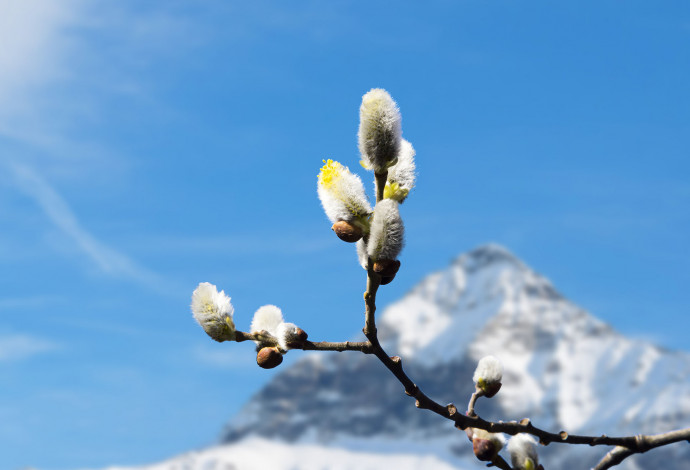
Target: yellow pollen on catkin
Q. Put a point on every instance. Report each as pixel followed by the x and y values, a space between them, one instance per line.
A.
pixel 394 191
pixel 331 172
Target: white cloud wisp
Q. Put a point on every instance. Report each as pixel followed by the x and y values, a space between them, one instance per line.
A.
pixel 61 215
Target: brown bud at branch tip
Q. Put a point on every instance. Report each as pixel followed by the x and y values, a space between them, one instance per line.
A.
pixel 346 231
pixel 268 358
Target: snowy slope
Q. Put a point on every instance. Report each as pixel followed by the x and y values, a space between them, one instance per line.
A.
pixel 262 454
pixel 563 368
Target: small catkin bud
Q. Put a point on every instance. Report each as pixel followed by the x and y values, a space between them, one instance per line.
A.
pixel 523 452
pixel 213 311
pixel 486 445
pixel 290 336
pixel 380 130
pixel 487 376
pixel 401 176
pixel 268 358
pixel 347 232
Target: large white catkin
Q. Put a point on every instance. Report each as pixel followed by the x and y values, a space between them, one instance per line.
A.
pixel 380 129
pixel 213 311
pixel 387 231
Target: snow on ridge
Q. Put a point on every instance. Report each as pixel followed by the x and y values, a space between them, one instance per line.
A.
pixel 438 318
pixel 262 454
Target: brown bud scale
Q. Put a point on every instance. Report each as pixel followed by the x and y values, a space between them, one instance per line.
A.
pixel 301 334
pixel 386 267
pixel 491 390
pixel 346 231
pixel 387 279
pixel 268 358
pixel 484 449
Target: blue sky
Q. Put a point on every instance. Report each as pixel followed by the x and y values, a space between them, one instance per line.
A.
pixel 148 146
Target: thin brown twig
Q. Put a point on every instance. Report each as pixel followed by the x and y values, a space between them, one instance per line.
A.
pixel 265 338
pixel 645 443
pixel 361 346
pixel 473 401
pixel 380 184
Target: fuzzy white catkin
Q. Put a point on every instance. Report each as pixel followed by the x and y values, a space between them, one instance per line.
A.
pixel 523 452
pixel 380 129
pixel 342 193
pixel 386 232
pixel 267 318
pixel 286 333
pixel 489 369
pixel 213 311
pixel 401 176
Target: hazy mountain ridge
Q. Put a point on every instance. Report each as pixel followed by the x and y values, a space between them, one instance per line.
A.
pixel 564 369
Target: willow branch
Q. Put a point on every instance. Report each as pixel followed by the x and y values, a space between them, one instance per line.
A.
pixel 361 346
pixel 627 445
pixel 265 338
pixel 644 443
pixel 373 283
pixel 634 443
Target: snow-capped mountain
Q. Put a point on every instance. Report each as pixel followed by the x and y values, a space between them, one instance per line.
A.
pixel 564 369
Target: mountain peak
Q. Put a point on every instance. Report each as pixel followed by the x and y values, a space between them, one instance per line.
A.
pixel 486 255
pixel 449 308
